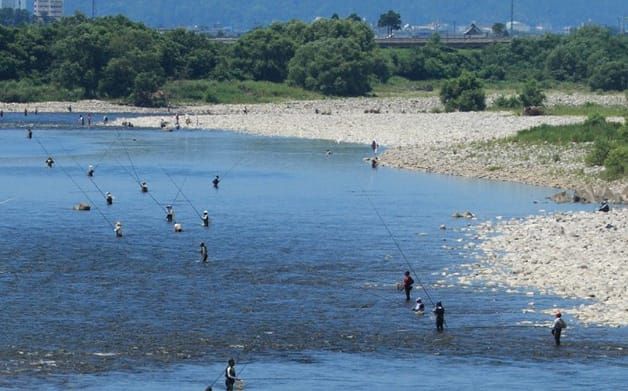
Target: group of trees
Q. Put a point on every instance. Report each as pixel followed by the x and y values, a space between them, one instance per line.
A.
pixel 112 57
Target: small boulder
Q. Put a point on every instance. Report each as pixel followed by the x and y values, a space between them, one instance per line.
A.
pixel 533 110
pixel 82 207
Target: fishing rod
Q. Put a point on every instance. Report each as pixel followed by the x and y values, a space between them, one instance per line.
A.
pixel 136 177
pixel 78 186
pixel 81 167
pixel 181 192
pixel 398 246
pixel 223 373
pixel 7 200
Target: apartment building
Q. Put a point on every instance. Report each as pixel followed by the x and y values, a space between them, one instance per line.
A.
pixel 15 4
pixel 48 8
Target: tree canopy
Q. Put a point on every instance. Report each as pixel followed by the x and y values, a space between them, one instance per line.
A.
pixel 391 20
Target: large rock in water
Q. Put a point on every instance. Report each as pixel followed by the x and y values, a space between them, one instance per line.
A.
pixel 562 197
pixel 82 207
pixel 465 215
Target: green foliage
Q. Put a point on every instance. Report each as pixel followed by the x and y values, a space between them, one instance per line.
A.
pixel 145 90
pixel 500 30
pixel 391 20
pixel 263 54
pixel 14 17
pixel 333 66
pixel 610 76
pixel 599 153
pixel 464 94
pixel 617 162
pixel 610 142
pixel 595 127
pixel 531 95
pixel 512 102
pixel 248 91
pixel 29 91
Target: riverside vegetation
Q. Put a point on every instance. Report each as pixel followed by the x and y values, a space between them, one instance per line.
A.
pixel 116 59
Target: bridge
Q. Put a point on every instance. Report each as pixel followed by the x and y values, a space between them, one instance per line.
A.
pixel 457 42
pixel 453 42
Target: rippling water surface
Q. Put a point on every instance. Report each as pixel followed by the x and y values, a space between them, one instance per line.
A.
pixel 300 279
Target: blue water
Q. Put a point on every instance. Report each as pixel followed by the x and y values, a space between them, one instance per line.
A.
pixel 300 283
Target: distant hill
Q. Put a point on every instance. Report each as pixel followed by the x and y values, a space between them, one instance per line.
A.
pixel 244 14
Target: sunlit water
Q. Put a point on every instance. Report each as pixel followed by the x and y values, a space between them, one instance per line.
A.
pixel 300 286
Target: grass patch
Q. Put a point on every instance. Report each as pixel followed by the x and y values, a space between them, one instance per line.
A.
pixel 588 109
pixel 610 142
pixel 398 86
pixel 24 91
pixel 197 91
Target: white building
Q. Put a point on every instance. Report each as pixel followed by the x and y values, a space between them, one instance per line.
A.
pixel 15 4
pixel 48 8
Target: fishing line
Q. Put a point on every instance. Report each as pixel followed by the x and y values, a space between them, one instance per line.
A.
pixel 397 245
pixel 78 186
pixel 81 168
pixel 136 176
pixel 181 192
pixel 7 200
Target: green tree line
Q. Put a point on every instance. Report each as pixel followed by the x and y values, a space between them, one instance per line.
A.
pixel 115 58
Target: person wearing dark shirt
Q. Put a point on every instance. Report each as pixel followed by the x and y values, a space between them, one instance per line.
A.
pixel 439 311
pixel 230 375
pixel 216 181
pixel 407 284
pixel 204 254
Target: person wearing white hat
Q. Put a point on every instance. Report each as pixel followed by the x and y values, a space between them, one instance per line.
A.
pixel 90 171
pixel 178 227
pixel 205 219
pixel 419 308
pixel 109 198
pixel 118 229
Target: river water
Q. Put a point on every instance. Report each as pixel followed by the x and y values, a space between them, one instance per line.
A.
pixel 300 286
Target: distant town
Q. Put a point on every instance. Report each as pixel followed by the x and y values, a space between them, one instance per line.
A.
pixel 51 10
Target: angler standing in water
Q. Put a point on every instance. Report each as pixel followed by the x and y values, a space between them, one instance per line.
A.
pixel 90 171
pixel 169 213
pixel 204 253
pixel 109 198
pixel 29 133
pixel 216 181
pixel 439 311
pixel 205 219
pixel 50 161
pixel 144 187
pixel 374 147
pixel 230 375
pixel 407 284
pixel 118 229
pixel 557 327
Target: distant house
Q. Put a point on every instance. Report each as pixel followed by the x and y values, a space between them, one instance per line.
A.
pixel 473 31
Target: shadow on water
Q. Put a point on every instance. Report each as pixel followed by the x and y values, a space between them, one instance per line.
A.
pixel 299 261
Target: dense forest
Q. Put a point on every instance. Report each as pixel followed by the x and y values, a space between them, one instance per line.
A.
pixel 115 58
pixel 245 14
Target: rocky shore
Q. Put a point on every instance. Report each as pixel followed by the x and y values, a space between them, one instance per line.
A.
pixel 577 255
